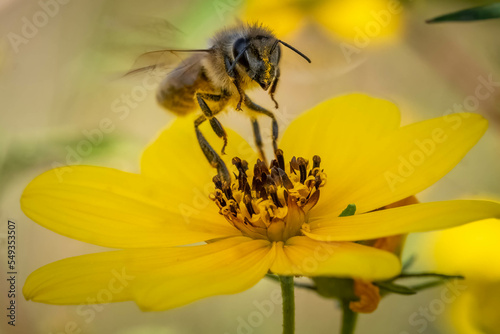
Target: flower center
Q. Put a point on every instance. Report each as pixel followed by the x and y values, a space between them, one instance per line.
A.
pixel 272 204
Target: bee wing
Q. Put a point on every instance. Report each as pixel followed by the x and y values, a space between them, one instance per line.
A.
pixel 142 40
pixel 188 71
pixel 165 61
pixel 128 34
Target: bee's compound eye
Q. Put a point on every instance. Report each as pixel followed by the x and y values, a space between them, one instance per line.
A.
pixel 239 47
pixel 276 53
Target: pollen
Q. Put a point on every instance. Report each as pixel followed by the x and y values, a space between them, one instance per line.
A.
pixel 272 202
pixel 267 63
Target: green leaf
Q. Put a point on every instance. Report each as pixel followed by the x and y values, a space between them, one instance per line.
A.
pixel 390 286
pixel 428 285
pixel 435 275
pixel 349 211
pixel 472 14
pixel 395 288
pixel 408 263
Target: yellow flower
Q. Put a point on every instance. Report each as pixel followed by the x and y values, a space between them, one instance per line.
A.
pixel 354 20
pixel 472 251
pixel 267 220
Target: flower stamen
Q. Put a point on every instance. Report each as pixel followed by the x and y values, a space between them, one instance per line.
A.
pixel 274 200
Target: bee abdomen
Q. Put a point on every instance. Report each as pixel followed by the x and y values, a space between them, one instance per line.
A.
pixel 178 100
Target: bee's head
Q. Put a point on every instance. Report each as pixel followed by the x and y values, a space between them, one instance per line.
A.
pixel 260 56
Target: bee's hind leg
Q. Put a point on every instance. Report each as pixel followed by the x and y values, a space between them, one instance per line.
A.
pixel 258 109
pixel 212 156
pixel 258 139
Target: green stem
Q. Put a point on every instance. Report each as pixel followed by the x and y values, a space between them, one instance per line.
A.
pixel 348 319
pixel 287 293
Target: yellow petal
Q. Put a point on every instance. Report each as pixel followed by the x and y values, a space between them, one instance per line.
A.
pixel 123 275
pixel 176 157
pixel 111 208
pixel 94 278
pixel 411 159
pixel 340 131
pixel 468 250
pixel 227 270
pixel 412 218
pixel 304 256
pixel 461 313
pixel 337 128
pixel 474 309
pixel 394 243
pixel 369 160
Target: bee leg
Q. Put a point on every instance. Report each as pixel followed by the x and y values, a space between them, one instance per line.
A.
pixel 255 107
pixel 210 153
pixel 258 139
pixel 242 96
pixel 235 79
pixel 214 122
pixel 274 85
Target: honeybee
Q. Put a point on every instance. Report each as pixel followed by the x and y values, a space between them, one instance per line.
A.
pixel 239 58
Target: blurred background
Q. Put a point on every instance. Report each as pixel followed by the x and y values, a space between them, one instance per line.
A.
pixel 65 102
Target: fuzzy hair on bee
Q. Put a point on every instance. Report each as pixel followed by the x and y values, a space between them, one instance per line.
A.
pixel 240 58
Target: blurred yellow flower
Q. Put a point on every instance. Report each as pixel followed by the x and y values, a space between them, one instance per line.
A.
pixel 474 252
pixel 268 219
pixel 360 21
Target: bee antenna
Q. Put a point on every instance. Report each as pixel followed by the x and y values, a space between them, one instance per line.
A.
pixel 296 51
